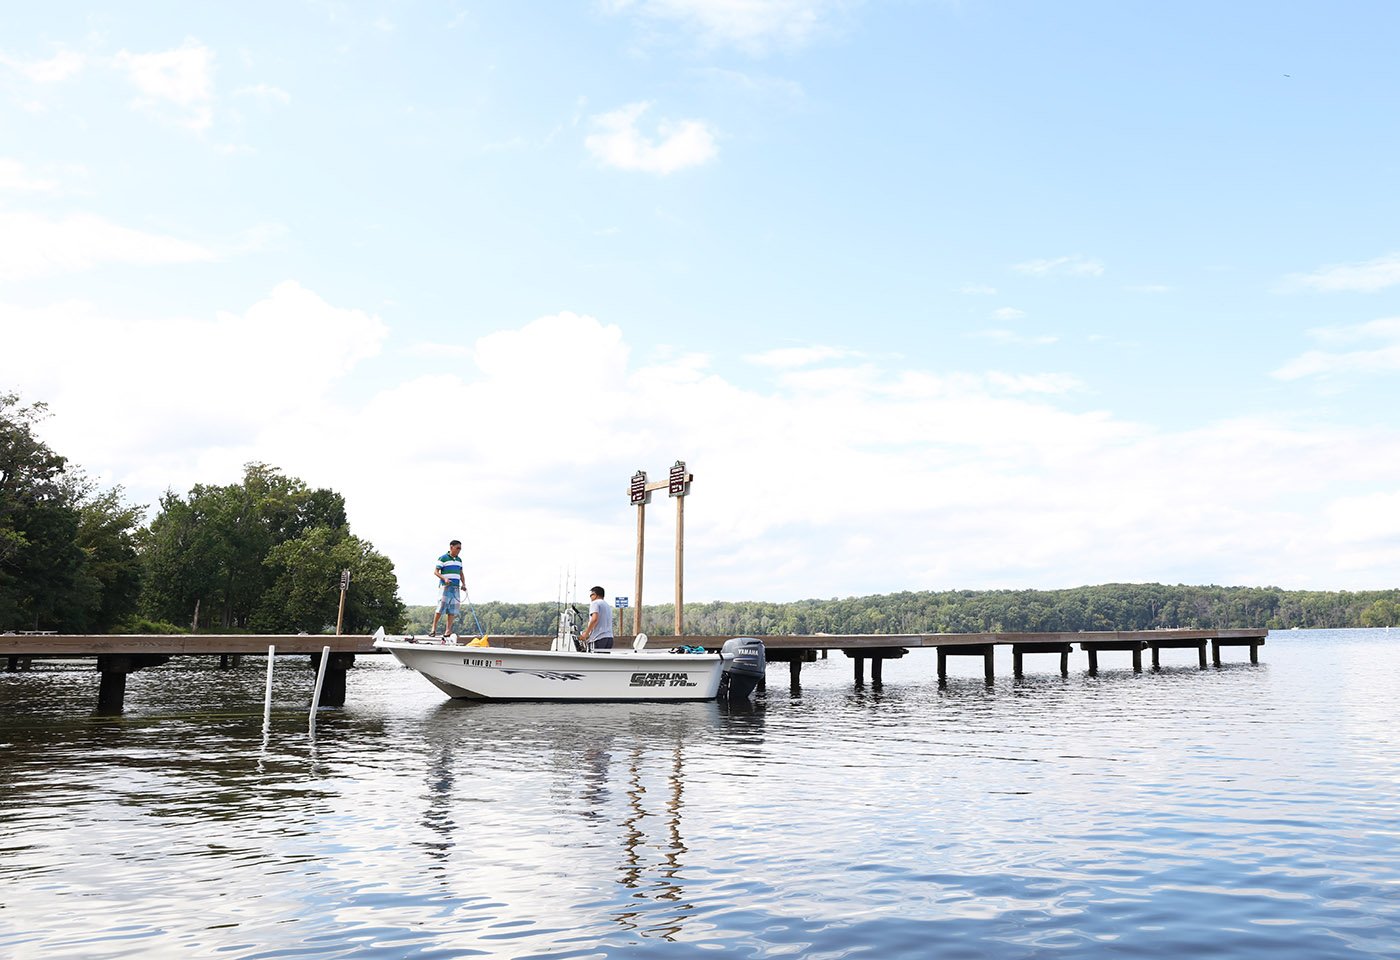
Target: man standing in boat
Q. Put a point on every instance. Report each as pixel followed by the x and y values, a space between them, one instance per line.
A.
pixel 598 635
pixel 449 571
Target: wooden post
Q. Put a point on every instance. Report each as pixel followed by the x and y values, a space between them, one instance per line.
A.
pixel 344 586
pixel 795 672
pixel 1155 664
pixel 942 666
pixel 641 544
pixel 1137 659
pixel 678 485
pixel 111 691
pixel 877 671
pixel 987 665
pixel 1016 662
pixel 1201 654
pixel 1093 661
pixel 680 566
pixel 1215 651
pixel 860 670
pixel 1064 661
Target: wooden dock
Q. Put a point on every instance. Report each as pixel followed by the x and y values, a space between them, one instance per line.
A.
pixel 119 655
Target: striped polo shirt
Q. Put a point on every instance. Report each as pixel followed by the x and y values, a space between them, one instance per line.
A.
pixel 450 567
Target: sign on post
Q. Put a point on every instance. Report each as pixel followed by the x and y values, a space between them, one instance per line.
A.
pixel 678 484
pixel 620 603
pixel 637 490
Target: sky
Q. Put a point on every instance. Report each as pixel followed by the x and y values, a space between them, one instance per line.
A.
pixel 951 294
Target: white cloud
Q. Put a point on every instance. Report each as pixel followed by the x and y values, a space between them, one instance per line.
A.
pixel 14 179
pixel 1382 356
pixel 181 78
pixel 788 357
pixel 32 245
pixel 752 25
pixel 678 144
pixel 1365 277
pixel 1035 383
pixel 264 91
pixel 1075 266
pixel 146 395
pixel 1008 313
pixel 851 477
pixel 1012 337
pixel 63 65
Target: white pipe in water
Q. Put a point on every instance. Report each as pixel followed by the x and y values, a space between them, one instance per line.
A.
pixel 320 679
pixel 267 696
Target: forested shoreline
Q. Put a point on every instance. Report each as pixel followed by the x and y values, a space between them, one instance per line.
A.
pixel 263 555
pixel 1111 606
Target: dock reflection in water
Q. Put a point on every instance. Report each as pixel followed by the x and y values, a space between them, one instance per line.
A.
pixel 1242 811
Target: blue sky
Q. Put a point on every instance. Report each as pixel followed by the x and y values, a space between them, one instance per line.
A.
pixel 928 294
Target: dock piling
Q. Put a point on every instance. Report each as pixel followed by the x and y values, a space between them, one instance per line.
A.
pixel 111 689
pixel 1093 647
pixel 1254 643
pixel 983 650
pixel 1020 649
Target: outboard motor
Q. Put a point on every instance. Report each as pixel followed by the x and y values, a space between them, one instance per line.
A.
pixel 745 664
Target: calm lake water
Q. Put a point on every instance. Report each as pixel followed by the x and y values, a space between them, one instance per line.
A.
pixel 1245 811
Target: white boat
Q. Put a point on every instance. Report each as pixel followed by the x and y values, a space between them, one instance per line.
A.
pixel 504 673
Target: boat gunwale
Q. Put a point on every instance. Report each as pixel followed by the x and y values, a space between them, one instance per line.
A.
pixel 387 644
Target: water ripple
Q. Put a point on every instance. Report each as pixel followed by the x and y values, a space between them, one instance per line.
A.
pixel 1248 810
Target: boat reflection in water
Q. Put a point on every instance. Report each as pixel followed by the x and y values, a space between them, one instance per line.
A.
pixel 614 802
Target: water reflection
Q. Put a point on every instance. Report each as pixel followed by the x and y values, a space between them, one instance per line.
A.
pixel 1247 811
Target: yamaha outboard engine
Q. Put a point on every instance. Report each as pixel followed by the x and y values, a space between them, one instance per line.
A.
pixel 745 664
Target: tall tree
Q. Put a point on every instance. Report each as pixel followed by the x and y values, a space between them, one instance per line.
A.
pixel 231 552
pixel 108 535
pixel 305 593
pixel 39 558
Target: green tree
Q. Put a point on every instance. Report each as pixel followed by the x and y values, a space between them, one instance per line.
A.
pixel 208 550
pixel 39 559
pixel 1381 613
pixel 305 594
pixel 108 535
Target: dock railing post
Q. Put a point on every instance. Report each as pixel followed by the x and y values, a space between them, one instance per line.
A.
pixel 316 695
pixel 267 693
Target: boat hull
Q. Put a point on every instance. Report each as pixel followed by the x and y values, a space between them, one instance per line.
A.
pixel 499 673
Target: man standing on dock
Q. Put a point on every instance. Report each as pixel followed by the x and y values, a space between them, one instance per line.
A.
pixel 598 634
pixel 449 571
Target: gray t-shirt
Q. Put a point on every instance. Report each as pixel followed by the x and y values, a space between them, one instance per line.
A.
pixel 604 612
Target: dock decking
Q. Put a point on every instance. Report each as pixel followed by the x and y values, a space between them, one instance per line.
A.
pixel 121 654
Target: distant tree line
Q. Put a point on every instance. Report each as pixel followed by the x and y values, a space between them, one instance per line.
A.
pixel 1110 606
pixel 262 555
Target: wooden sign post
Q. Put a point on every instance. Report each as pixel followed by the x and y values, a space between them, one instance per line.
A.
pixel 639 492
pixel 344 585
pixel 676 484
